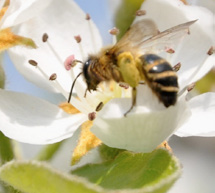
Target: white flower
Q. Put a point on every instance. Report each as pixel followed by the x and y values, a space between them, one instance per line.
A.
pixel 20 11
pixel 144 129
pixel 33 120
pixel 13 13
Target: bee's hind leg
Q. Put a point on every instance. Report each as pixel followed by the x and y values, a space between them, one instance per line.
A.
pixel 134 94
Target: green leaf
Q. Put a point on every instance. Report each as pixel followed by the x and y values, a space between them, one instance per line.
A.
pixel 108 153
pixel 126 14
pixel 38 177
pixel 6 149
pixel 149 172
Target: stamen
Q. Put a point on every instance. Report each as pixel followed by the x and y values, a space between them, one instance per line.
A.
pixel 211 50
pixel 177 67
pixel 45 40
pixel 114 31
pixel 78 40
pixel 45 37
pixel 140 12
pixel 92 116
pixel 53 76
pixel 169 50
pixel 100 106
pixel 57 85
pixel 88 18
pixel 32 62
pixel 190 87
pixel 188 31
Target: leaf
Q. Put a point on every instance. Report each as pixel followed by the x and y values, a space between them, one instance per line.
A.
pixel 38 177
pixel 149 172
pixel 6 149
pixel 126 14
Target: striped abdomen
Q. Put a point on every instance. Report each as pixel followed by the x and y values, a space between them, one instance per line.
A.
pixel 161 78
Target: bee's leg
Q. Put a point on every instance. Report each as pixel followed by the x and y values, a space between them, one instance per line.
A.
pixel 134 94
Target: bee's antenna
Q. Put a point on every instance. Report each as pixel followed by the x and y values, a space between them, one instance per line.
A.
pixel 73 84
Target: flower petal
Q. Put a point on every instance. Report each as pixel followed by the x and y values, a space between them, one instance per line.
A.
pixel 50 55
pixel 192 51
pixel 138 132
pixel 209 4
pixel 201 123
pixel 21 10
pixel 31 120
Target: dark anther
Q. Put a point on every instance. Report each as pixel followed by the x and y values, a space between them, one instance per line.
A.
pixel 32 62
pixel 53 76
pixel 45 37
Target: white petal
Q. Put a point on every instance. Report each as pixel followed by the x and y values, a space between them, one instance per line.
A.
pixel 138 132
pixel 209 4
pixel 32 120
pixel 201 123
pixel 192 51
pixel 62 20
pixel 22 10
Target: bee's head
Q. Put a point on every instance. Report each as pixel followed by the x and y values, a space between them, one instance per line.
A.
pixel 89 74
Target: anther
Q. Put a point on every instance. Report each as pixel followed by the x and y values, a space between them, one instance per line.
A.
pixel 190 87
pixel 211 50
pixel 45 37
pixel 78 38
pixel 32 62
pixel 124 85
pixel 88 16
pixel 188 31
pixel 114 31
pixel 140 12
pixel 169 50
pixel 53 76
pixel 100 106
pixel 92 116
pixel 177 67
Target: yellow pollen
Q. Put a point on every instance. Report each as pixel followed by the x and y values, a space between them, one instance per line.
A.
pixel 68 108
pixel 86 142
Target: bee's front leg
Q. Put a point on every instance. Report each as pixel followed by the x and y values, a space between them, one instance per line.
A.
pixel 134 95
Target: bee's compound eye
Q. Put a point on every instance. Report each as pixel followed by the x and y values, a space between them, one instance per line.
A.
pixel 85 69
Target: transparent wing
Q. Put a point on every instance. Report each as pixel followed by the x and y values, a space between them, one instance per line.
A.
pixel 138 32
pixel 167 39
pixel 144 37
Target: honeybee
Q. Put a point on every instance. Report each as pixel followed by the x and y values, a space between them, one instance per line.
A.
pixel 130 61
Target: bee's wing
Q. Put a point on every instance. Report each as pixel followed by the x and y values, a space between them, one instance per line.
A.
pixel 144 36
pixel 166 39
pixel 138 32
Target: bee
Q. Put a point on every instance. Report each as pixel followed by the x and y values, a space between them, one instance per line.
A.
pixel 132 61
